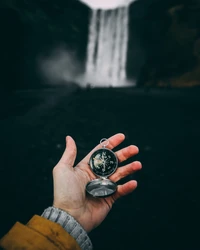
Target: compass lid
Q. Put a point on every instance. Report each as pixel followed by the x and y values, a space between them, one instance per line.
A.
pixel 101 188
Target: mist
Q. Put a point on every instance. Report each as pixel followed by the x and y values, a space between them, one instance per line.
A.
pixel 61 67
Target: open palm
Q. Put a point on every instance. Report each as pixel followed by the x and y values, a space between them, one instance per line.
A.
pixel 70 183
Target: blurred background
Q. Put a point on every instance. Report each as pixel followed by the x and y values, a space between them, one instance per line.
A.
pixel 64 73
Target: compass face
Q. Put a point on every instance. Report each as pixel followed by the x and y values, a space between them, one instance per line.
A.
pixel 103 162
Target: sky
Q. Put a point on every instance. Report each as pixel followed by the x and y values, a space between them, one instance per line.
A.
pixel 107 4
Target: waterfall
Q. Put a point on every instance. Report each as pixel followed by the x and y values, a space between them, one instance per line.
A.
pixel 107 46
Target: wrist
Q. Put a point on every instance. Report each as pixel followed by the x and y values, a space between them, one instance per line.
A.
pixel 70 224
pixel 77 214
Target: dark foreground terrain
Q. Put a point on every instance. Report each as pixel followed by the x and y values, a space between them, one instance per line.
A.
pixel 162 214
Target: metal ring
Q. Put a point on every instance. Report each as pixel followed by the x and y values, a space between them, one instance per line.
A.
pixel 104 140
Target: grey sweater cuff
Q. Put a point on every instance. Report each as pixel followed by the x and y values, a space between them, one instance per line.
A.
pixel 70 225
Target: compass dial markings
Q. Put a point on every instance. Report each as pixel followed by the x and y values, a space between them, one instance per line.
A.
pixel 103 162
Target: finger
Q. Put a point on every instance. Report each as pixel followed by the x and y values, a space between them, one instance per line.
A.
pixel 126 170
pixel 114 141
pixel 126 153
pixel 69 155
pixel 125 189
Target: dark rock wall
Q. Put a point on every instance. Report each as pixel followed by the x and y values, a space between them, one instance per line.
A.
pixel 173 61
pixel 32 29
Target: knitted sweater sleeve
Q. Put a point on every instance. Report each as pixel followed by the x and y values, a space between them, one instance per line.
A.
pixel 70 225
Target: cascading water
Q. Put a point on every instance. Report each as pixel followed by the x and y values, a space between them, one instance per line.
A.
pixel 107 42
pixel 107 46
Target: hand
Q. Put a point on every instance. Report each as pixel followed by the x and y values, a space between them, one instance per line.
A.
pixel 70 183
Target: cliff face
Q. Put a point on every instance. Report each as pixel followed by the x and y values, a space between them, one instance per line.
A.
pixel 179 60
pixel 164 41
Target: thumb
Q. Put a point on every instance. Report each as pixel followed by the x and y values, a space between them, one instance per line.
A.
pixel 69 156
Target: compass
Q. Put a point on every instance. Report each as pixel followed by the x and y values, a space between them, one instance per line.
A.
pixel 103 163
